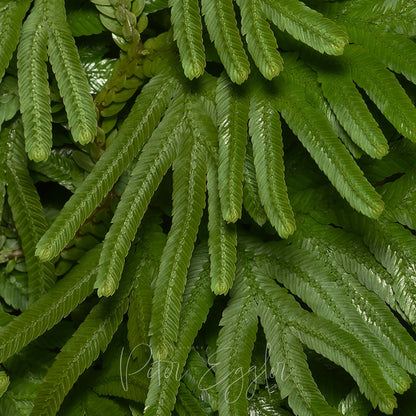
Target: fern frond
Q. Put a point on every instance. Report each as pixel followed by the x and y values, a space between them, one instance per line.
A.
pixel 12 14
pixel 48 310
pixel 266 137
pixel 354 404
pixel 234 347
pixel 352 112
pixel 187 31
pixel 187 403
pixel 324 337
pixel 149 107
pixel 155 5
pixel 83 348
pixel 306 25
pixel 317 137
pixel 223 31
pixel 232 117
pixel 383 89
pixel 33 84
pixel 189 185
pixel 155 160
pixel 251 198
pixel 222 240
pixel 69 73
pixel 27 211
pixel 260 38
pixel 196 302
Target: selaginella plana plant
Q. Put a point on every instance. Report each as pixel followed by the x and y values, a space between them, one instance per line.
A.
pixel 207 207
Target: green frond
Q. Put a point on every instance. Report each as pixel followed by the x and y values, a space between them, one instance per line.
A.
pixel 48 310
pixel 83 348
pixel 323 336
pixel 4 382
pixel 27 211
pixel 33 84
pixel 12 14
pixel 352 112
pixel 395 51
pixel 188 404
pixel 155 5
pixel 155 160
pixel 266 137
pixel 189 185
pixel 306 25
pixel 232 117
pixel 148 251
pixel 60 167
pixel 260 38
pixel 187 31
pixel 222 240
pixel 384 90
pixel 316 135
pixel 149 107
pixel 69 73
pixel 196 302
pixel 234 347
pixel 393 246
pixel 354 404
pixel 251 198
pixel 223 31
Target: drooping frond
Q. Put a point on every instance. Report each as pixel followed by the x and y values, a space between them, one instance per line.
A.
pixel 266 137
pixel 354 404
pixel 33 84
pixel 187 30
pixel 72 82
pixel 222 28
pixel 222 240
pixel 260 38
pixel 384 90
pixel 27 211
pixel 251 198
pixel 306 25
pixel 316 135
pixel 196 302
pixel 48 310
pixel 234 347
pixel 189 185
pixel 153 163
pixel 148 109
pixel 187 403
pixel 352 112
pixel 232 117
pixel 83 348
pixel 11 17
pixel 155 5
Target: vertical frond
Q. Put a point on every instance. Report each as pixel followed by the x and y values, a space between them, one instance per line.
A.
pixel 149 107
pixel 232 117
pixel 187 31
pixel 260 38
pixel 222 28
pixel 266 137
pixel 189 185
pixel 69 73
pixel 27 212
pixel 33 84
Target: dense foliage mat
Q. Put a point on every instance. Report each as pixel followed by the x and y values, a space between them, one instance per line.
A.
pixel 207 207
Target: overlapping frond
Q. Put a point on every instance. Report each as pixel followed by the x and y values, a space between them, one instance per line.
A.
pixel 12 14
pixel 189 185
pixel 148 109
pixel 222 27
pixel 27 210
pixel 196 302
pixel 48 310
pixel 156 158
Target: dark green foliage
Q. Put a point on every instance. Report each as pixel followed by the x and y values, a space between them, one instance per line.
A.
pixel 205 229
